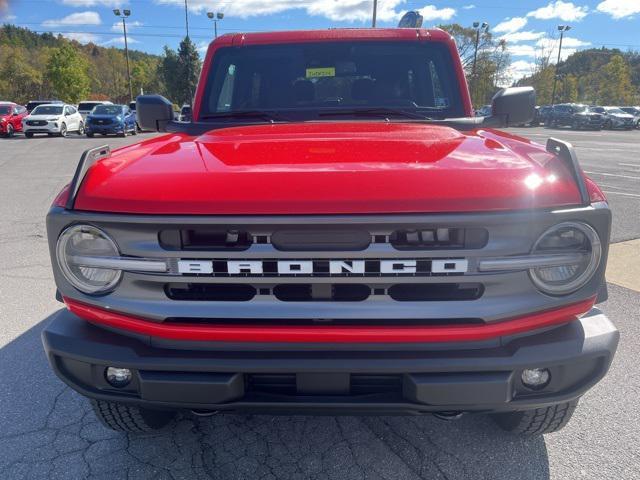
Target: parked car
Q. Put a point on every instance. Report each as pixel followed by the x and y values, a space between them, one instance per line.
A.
pixel 185 113
pixel 544 113
pixel 56 119
pixel 635 111
pixel 574 115
pixel 282 265
pixel 614 117
pixel 34 103
pixel 484 111
pixel 85 107
pixel 11 115
pixel 111 120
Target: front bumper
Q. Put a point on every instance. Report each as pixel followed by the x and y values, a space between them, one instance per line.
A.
pixel 425 379
pixel 104 129
pixel 48 128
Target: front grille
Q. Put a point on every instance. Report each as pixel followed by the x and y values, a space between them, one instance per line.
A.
pixel 36 123
pixel 359 384
pixel 100 121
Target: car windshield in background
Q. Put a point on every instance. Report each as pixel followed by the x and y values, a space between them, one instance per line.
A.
pixel 107 110
pixel 185 110
pixel 47 110
pixel 5 109
pixel 615 110
pixel 312 79
pixel 580 108
pixel 87 106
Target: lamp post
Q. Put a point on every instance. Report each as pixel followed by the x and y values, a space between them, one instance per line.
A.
pixel 216 17
pixel 561 29
pixel 375 14
pixel 186 16
pixel 478 26
pixel 123 14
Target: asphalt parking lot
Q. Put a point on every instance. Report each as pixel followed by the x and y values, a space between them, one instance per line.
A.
pixel 48 431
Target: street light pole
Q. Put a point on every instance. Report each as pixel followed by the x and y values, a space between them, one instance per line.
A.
pixel 186 16
pixel 215 17
pixel 478 26
pixel 375 13
pixel 123 15
pixel 562 29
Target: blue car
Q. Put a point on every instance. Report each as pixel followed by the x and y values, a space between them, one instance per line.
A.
pixel 111 119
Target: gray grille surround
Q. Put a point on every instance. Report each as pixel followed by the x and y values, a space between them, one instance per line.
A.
pixel 507 293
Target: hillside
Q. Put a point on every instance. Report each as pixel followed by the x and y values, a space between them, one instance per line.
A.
pixel 30 63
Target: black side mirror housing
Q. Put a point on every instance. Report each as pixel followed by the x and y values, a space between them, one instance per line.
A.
pixel 513 106
pixel 154 112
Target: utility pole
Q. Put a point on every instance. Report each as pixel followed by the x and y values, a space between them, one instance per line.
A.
pixel 215 17
pixel 561 29
pixel 186 16
pixel 124 14
pixel 474 77
pixel 375 13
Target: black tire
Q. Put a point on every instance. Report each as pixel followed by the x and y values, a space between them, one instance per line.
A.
pixel 63 130
pixel 28 135
pixel 129 418
pixel 9 133
pixel 122 134
pixel 81 129
pixel 134 131
pixel 531 423
pixel 90 135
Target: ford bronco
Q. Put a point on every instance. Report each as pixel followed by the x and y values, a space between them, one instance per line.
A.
pixel 333 232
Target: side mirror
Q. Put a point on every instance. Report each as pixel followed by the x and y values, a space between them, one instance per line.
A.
pixel 154 112
pixel 513 106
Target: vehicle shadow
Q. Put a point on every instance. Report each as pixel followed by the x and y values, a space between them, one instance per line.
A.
pixel 50 432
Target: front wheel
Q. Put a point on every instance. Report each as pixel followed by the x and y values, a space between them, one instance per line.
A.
pixel 9 132
pixel 89 134
pixel 129 418
pixel 63 130
pixel 531 423
pixel 81 129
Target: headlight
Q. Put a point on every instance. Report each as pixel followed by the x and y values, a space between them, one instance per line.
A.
pixel 87 241
pixel 568 237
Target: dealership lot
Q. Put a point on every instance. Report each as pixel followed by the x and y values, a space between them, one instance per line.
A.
pixel 48 431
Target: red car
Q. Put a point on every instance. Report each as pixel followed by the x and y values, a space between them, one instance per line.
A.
pixel 334 231
pixel 11 116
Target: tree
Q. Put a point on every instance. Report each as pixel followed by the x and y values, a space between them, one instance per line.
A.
pixel 189 69
pixel 615 87
pixel 19 79
pixel 67 72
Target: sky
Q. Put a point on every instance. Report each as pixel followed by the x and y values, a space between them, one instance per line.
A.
pixel 528 25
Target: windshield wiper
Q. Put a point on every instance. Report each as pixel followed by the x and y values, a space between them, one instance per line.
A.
pixel 261 114
pixel 374 111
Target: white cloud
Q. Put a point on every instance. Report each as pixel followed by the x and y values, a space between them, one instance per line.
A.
pixel 525 36
pixel 8 18
pixel 469 7
pixel 120 41
pixel 569 42
pixel 619 8
pixel 81 37
pixel 565 11
pixel 80 18
pixel 93 3
pixel 432 13
pixel 117 27
pixel 519 50
pixel 336 10
pixel 519 69
pixel 510 25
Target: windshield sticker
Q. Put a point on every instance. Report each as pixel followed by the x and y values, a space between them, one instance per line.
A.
pixel 321 72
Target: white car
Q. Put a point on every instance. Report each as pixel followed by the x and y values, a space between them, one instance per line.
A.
pixel 53 120
pixel 614 117
pixel 85 107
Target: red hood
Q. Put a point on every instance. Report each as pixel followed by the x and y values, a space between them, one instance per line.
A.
pixel 328 168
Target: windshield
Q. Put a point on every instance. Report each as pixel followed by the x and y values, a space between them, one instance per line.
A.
pixel 615 110
pixel 580 108
pixel 47 110
pixel 5 109
pixel 107 110
pixel 87 106
pixel 312 78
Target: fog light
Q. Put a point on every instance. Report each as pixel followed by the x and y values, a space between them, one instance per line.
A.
pixel 536 378
pixel 118 377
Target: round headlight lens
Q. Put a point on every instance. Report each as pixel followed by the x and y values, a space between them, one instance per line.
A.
pixel 87 241
pixel 566 238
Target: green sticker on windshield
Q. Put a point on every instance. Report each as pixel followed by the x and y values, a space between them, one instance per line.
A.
pixel 321 72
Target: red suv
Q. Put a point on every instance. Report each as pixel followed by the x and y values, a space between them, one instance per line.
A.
pixel 11 116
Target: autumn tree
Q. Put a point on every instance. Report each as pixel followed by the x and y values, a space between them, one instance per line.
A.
pixel 67 72
pixel 616 88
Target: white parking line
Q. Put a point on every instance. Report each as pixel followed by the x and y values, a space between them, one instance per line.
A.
pixel 590 172
pixel 609 192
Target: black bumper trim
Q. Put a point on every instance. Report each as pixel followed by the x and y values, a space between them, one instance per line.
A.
pixel 481 379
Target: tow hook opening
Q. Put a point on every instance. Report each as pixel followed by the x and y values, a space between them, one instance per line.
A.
pixel 448 416
pixel 205 413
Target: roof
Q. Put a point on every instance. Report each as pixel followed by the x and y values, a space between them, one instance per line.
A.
pixel 335 34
